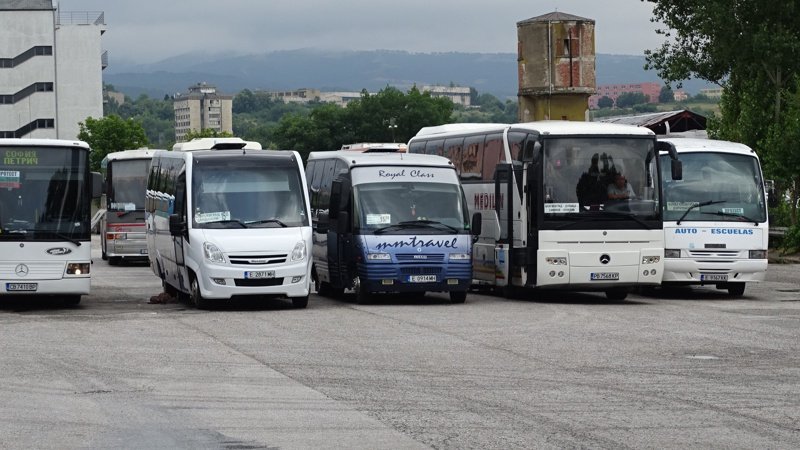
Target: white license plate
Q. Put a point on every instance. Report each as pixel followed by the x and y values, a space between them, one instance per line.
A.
pixel 19 287
pixel 260 274
pixel 422 278
pixel 605 275
pixel 714 277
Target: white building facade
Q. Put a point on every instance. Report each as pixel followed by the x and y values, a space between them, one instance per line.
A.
pixel 51 65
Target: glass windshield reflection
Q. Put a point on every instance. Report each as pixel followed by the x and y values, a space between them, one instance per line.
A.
pixel 730 184
pixel 396 207
pixel 128 184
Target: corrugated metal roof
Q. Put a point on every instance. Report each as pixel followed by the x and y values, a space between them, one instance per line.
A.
pixel 556 16
pixel 26 5
pixel 662 122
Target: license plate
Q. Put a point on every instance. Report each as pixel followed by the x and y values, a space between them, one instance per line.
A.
pixel 605 275
pixel 18 287
pixel 260 274
pixel 714 277
pixel 422 278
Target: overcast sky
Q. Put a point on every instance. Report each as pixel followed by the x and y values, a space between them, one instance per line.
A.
pixel 149 30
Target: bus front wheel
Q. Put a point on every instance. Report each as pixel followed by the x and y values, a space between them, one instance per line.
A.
pixel 197 298
pixel 458 296
pixel 735 289
pixel 616 294
pixel 362 296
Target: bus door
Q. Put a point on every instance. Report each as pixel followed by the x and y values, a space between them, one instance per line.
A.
pixel 181 239
pixel 504 207
pixel 532 193
pixel 341 255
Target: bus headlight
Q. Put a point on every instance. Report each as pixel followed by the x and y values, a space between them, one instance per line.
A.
pixel 299 251
pixel 758 254
pixel 78 268
pixel 672 253
pixel 556 260
pixel 459 256
pixel 650 259
pixel 378 257
pixel 213 253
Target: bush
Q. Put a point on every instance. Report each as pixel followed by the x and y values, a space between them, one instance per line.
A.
pixel 791 240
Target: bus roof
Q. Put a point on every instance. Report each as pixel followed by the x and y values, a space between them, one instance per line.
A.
pixel 373 159
pixel 22 142
pixel 139 153
pixel 554 127
pixel 218 143
pixel 688 145
pixel 376 147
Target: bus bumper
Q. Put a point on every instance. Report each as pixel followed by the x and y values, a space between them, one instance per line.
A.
pixel 221 282
pixel 689 271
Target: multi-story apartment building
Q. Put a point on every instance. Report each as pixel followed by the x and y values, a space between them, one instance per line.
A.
pixel 650 89
pixel 202 108
pixel 51 65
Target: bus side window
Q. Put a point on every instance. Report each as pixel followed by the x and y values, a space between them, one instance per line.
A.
pixel 417 147
pixel 435 147
pixel 492 155
pixel 470 157
pixel 452 151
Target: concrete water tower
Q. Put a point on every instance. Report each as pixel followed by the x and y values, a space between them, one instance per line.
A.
pixel 556 62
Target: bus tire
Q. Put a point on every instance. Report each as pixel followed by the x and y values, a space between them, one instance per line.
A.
pixel 616 294
pixel 362 296
pixel 72 300
pixel 458 296
pixel 736 289
pixel 114 260
pixel 299 302
pixel 197 298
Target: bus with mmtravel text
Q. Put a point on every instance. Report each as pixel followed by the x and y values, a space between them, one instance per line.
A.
pixel 563 205
pixel 716 228
pixel 46 189
pixel 122 233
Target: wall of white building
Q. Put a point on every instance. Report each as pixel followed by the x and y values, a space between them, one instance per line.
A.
pixel 79 87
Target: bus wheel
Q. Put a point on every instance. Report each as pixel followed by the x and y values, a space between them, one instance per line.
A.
pixel 114 260
pixel 362 296
pixel 458 296
pixel 299 302
pixel 72 300
pixel 735 289
pixel 616 294
pixel 196 297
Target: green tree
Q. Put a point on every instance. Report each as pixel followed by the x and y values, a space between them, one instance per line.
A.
pixel 110 134
pixel 666 95
pixel 750 48
pixel 628 99
pixel 605 102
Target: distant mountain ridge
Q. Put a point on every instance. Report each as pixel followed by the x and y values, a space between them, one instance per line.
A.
pixel 493 73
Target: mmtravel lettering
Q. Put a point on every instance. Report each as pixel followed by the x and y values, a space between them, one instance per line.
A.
pixel 416 242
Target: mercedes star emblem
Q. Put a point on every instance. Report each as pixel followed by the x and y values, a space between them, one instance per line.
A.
pixel 21 270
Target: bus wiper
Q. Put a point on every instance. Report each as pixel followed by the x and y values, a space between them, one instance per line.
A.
pixel 59 235
pixel 710 202
pixel 238 222
pixel 432 222
pixel 722 213
pixel 259 222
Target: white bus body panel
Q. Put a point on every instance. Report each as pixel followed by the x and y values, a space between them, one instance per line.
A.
pixel 48 272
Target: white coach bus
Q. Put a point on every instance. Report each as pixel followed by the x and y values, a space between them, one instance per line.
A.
pixel 45 215
pixel 551 215
pixel 716 229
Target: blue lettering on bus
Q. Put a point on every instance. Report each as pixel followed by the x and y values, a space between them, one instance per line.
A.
pixel 731 231
pixel 686 231
pixel 416 242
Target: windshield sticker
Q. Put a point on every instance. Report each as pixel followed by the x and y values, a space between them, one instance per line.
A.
pixel 212 216
pixel 9 179
pixel 21 158
pixel 739 211
pixel 379 219
pixel 128 206
pixel 561 208
pixel 680 206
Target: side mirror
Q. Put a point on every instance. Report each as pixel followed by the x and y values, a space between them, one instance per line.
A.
pixel 343 222
pixel 98 185
pixel 176 226
pixel 677 169
pixel 477 225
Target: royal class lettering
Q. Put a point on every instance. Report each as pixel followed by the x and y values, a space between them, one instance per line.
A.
pixel 686 231
pixel 730 231
pixel 484 200
pixel 392 174
pixel 416 242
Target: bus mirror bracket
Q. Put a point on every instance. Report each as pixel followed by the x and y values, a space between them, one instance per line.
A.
pixel 677 166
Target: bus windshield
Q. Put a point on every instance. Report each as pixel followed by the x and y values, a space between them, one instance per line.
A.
pixel 599 175
pixel 395 208
pixel 127 185
pixel 720 187
pixel 42 193
pixel 251 193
